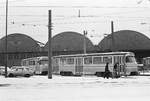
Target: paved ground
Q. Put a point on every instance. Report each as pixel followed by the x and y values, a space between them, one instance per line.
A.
pixel 64 88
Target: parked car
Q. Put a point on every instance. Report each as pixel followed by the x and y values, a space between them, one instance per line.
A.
pixel 20 71
pixel 2 70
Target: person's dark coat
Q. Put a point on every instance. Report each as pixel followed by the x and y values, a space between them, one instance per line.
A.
pixel 115 70
pixel 107 72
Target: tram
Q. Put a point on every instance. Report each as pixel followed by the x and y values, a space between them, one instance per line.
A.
pixel 38 64
pixel 94 63
pixel 146 63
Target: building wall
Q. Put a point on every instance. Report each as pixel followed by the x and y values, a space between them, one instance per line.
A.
pixel 14 59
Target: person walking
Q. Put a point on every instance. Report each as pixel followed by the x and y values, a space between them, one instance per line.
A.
pixel 115 70
pixel 107 72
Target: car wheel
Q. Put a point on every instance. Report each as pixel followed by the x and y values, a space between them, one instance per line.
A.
pixel 11 75
pixel 27 75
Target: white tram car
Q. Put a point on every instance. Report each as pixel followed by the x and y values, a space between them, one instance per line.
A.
pixel 94 63
pixel 146 63
pixel 38 64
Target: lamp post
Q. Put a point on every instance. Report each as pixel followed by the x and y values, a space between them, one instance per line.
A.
pixel 6 38
pixel 50 46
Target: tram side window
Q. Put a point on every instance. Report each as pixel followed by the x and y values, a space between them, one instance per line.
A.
pixel 24 63
pixel 144 61
pixel 31 62
pixel 55 61
pixel 63 61
pixel 97 60
pixel 148 61
pixel 70 61
pixel 118 59
pixel 88 60
pixel 107 59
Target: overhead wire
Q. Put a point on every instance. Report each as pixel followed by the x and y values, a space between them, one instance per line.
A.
pixel 103 17
pixel 62 17
pixel 91 16
pixel 67 23
pixel 79 6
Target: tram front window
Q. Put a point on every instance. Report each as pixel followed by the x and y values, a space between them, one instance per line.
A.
pixel 130 59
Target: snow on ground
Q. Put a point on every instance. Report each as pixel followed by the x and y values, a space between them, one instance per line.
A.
pixel 65 88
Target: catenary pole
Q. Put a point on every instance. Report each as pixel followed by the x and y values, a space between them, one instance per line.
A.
pixel 49 47
pixel 6 39
pixel 79 13
pixel 84 41
pixel 112 34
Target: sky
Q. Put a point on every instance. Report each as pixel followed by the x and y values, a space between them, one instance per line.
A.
pixel 30 17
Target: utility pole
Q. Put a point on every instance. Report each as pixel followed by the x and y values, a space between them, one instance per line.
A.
pixel 84 42
pixel 6 57
pixel 79 15
pixel 112 36
pixel 49 47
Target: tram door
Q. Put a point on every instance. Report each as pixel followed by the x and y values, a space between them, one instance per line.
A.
pixel 55 65
pixel 121 69
pixel 78 66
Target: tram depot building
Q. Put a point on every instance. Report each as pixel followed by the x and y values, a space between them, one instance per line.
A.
pixel 21 46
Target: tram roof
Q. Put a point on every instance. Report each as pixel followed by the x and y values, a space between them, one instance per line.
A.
pixel 146 58
pixel 38 58
pixel 94 54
